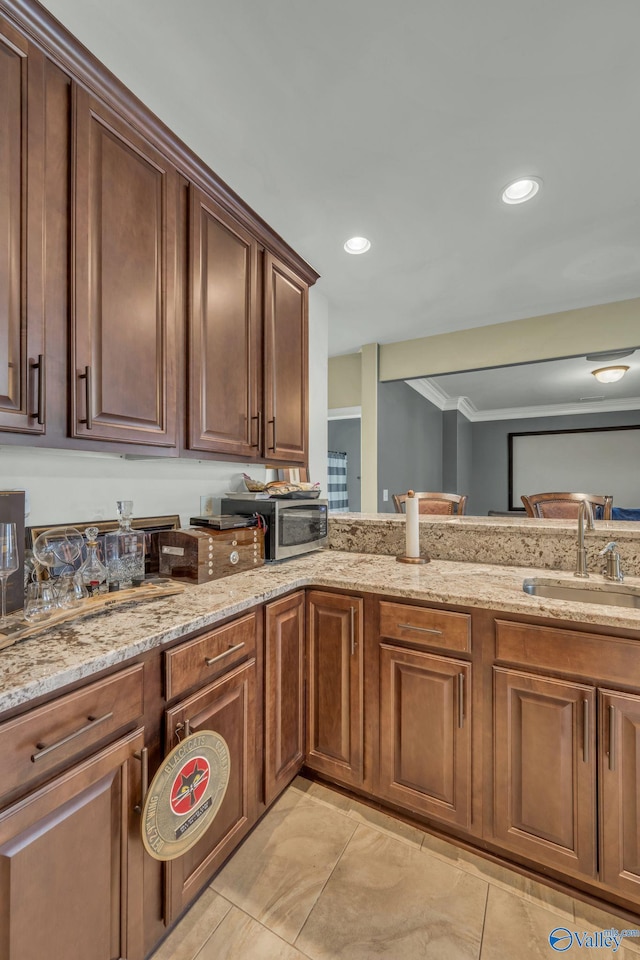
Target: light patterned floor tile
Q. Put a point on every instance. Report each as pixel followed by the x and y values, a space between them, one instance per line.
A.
pixel 318 791
pixel 195 928
pixel 389 900
pixel 378 820
pixel 588 917
pixel 518 928
pixel 239 937
pixel 277 874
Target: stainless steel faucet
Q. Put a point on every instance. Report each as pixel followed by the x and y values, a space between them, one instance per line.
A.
pixel 584 512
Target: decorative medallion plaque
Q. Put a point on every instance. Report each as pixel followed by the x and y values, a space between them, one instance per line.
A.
pixel 185 795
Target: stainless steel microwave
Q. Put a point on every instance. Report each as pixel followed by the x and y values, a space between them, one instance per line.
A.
pixel 292 527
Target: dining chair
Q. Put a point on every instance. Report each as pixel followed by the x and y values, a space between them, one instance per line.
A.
pixel 560 506
pixel 434 503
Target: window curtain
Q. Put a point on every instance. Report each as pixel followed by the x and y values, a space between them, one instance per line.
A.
pixel 337 482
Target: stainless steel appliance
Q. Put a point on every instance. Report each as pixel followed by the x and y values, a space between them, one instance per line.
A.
pixel 292 526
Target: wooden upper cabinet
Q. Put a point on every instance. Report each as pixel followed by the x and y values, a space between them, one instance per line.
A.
pixel 124 245
pixel 224 335
pixel 286 307
pixel 22 364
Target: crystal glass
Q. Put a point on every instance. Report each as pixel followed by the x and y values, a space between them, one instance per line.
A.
pixel 41 601
pixel 9 560
pixel 124 548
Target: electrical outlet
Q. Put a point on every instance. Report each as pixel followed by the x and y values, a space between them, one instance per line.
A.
pixel 385 495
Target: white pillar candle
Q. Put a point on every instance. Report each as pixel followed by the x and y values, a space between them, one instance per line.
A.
pixel 412 526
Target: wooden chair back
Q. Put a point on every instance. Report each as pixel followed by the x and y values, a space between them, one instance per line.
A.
pixel 434 503
pixel 562 506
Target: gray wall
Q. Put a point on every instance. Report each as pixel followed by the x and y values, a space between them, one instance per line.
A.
pixel 410 437
pixel 344 437
pixel 456 452
pixel 490 454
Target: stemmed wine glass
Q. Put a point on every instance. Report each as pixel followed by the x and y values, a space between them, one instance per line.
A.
pixel 9 561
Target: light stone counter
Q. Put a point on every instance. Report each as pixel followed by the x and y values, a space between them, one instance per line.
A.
pixel 64 655
pixel 512 541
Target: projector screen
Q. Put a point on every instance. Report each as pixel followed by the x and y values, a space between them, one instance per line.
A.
pixel 598 461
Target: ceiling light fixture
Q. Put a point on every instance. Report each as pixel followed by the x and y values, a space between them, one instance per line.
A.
pixel 520 190
pixel 357 245
pixel 609 374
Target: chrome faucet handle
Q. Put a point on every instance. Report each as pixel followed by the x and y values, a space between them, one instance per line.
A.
pixel 611 569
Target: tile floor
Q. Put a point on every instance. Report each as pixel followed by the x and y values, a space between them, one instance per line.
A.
pixel 323 877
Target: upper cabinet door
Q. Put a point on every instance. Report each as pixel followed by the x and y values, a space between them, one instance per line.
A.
pixel 286 306
pixel 224 335
pixel 22 372
pixel 124 245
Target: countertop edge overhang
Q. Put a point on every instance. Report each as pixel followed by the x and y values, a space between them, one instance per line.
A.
pixel 65 655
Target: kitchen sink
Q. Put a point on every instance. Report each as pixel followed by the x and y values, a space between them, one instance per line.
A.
pixel 612 594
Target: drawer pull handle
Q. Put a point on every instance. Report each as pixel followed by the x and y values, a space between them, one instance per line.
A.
pixel 612 737
pixel 45 751
pixel 412 626
pixel 352 614
pixel 211 660
pixel 461 700
pixel 143 757
pixel 585 732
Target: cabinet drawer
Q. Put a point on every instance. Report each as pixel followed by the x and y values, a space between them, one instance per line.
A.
pixel 425 627
pixel 588 655
pixel 197 661
pixel 55 734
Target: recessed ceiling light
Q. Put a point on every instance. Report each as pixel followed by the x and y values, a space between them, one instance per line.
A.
pixel 357 245
pixel 521 190
pixel 609 374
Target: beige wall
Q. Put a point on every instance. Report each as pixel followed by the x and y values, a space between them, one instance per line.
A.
pixel 588 330
pixel 345 381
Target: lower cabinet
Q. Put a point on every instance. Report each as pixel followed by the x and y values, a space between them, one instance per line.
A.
pixel 226 706
pixel 335 675
pixel 283 693
pixel 425 733
pixel 545 770
pixel 619 723
pixel 71 863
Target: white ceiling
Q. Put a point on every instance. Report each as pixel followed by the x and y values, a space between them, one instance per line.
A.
pixel 402 121
pixel 548 388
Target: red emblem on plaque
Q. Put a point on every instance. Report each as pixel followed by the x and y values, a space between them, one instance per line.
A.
pixel 189 785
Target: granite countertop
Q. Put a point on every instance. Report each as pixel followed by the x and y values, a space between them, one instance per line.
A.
pixel 66 654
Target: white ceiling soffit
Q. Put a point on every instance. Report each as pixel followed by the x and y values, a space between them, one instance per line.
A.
pixel 345 413
pixel 552 388
pixel 402 122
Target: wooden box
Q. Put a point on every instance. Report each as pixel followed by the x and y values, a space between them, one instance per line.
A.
pixel 201 555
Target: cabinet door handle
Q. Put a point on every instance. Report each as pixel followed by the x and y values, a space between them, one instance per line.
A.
pixel 45 751
pixel 585 731
pixel 411 626
pixel 211 660
pixel 143 757
pixel 460 700
pixel 258 417
pixel 39 415
pixel 273 423
pixel 183 728
pixel 86 376
pixel 352 627
pixel 612 737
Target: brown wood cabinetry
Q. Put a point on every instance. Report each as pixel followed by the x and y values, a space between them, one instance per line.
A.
pixel 425 733
pixel 284 688
pixel 619 723
pixel 545 770
pixel 335 665
pixel 228 707
pixel 123 330
pixel 22 345
pixel 286 305
pixel 225 356
pixel 71 863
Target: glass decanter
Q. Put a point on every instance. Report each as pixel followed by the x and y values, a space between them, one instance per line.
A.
pixel 93 571
pixel 124 548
